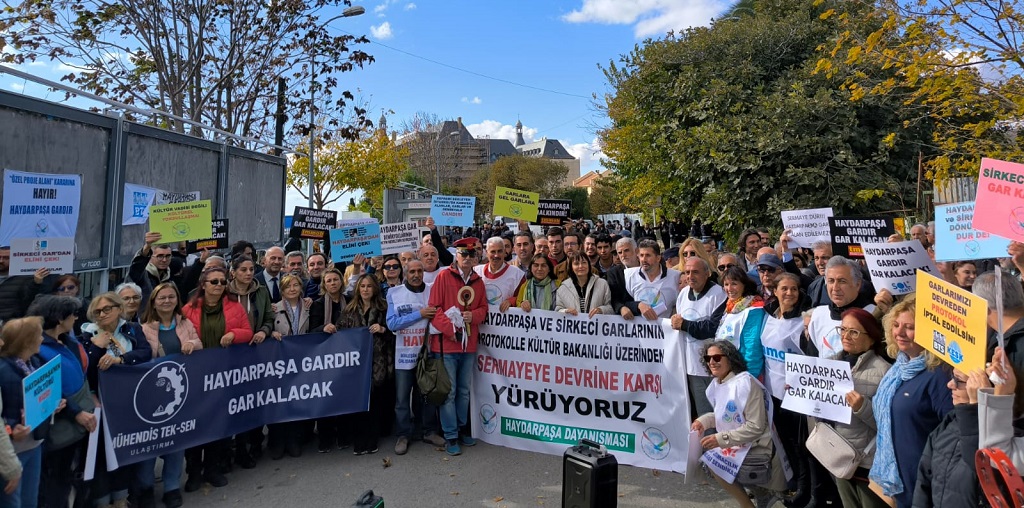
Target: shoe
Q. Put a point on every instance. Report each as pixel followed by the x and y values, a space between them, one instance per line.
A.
pixel 216 479
pixel 434 439
pixel 194 483
pixel 276 452
pixel 467 440
pixel 358 452
pixel 244 460
pixel 146 499
pixel 452 448
pixel 172 499
pixel 343 444
pixel 293 449
pixel 324 448
pixel 371 451
pixel 402 446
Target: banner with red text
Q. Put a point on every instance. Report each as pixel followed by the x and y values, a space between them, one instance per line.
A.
pixel 544 380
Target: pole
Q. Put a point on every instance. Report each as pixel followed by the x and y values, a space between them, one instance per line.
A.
pixel 312 136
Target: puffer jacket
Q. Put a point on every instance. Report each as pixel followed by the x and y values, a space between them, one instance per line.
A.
pixel 861 431
pixel 255 299
pixel 946 476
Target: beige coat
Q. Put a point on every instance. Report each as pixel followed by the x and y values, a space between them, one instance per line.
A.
pixel 183 328
pixel 861 431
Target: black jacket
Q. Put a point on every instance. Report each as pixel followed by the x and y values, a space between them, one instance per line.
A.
pixel 16 293
pixel 946 476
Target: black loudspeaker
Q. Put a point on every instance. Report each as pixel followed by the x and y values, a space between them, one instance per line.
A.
pixel 590 476
pixel 368 500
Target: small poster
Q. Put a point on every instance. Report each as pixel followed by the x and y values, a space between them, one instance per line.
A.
pixel 349 241
pixel 553 212
pixel 30 254
pixel 219 240
pixel 848 233
pixel 311 223
pixel 515 204
pixel 453 210
pixel 42 393
pixel 178 222
pixel 806 226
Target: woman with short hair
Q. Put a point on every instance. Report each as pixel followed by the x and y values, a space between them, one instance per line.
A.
pixel 131 295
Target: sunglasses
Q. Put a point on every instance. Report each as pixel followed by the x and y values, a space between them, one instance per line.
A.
pixel 766 269
pixel 723 268
pixel 392 267
pixel 713 358
pixel 687 253
pixel 217 282
pixel 67 288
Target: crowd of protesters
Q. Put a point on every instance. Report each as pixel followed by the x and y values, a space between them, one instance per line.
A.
pixel 916 422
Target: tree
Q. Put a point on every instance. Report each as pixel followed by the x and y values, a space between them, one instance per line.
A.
pixel 604 198
pixel 731 124
pixel 579 207
pixel 209 61
pixel 531 174
pixel 370 164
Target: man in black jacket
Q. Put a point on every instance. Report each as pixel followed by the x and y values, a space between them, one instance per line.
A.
pixel 17 292
pixel 152 266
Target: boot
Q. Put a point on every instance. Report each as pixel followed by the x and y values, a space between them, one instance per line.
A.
pixel 146 499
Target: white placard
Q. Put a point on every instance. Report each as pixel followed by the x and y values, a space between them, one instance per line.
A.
pixel 817 387
pixel 39 205
pixel 399 237
pixel 894 265
pixel 806 226
pixel 31 254
pixel 137 200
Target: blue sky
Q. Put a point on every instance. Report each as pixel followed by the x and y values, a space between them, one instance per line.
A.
pixel 554 45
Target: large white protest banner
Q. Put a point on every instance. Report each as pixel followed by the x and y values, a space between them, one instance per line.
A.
pixel 894 265
pixel 399 237
pixel 817 387
pixel 543 380
pixel 806 226
pixel 39 205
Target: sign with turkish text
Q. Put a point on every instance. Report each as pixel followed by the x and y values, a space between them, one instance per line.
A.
pixel 452 210
pixel 30 254
pixel 553 212
pixel 894 265
pixel 311 223
pixel 219 239
pixel 137 200
pixel 950 322
pixel 848 233
pixel 42 393
pixel 191 220
pixel 167 197
pixel 956 238
pixel 39 205
pixel 399 237
pixel 515 204
pixel 350 240
pixel 806 226
pixel 999 208
pixel 817 387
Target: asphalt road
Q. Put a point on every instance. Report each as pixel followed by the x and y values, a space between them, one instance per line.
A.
pixel 484 475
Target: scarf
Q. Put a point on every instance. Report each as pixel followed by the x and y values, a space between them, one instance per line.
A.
pixel 155 272
pixel 540 293
pixel 735 306
pixel 836 312
pixel 884 471
pixel 212 325
pixel 244 296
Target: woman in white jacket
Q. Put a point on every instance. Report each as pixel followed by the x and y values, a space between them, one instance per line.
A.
pixel 582 291
pixel 996 411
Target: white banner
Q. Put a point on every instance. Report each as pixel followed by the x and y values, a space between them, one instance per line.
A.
pixel 39 205
pixel 137 199
pixel 31 254
pixel 399 237
pixel 167 197
pixel 817 387
pixel 894 265
pixel 807 226
pixel 544 380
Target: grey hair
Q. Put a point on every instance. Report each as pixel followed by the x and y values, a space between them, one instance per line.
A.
pixel 821 244
pixel 736 362
pixel 128 285
pixel 838 261
pixel 296 254
pixel 807 313
pixel 495 240
pixel 703 262
pixel 1013 294
pixel 625 241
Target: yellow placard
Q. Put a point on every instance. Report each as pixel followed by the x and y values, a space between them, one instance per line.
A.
pixel 950 322
pixel 178 222
pixel 516 204
pixel 900 225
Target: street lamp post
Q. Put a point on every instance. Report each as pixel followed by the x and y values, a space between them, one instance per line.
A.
pixel 437 162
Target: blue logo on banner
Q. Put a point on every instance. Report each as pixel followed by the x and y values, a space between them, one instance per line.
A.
pixel 956 355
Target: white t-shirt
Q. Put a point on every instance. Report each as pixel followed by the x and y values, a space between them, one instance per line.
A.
pixel 697 311
pixel 501 285
pixel 659 293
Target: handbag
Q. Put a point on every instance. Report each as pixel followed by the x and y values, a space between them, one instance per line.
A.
pixel 431 375
pixel 65 431
pixel 833 451
pixel 755 470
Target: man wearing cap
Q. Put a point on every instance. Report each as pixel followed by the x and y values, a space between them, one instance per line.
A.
pixel 501 279
pixel 671 256
pixel 769 266
pixel 460 297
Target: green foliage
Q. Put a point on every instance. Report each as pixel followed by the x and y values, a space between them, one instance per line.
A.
pixel 580 206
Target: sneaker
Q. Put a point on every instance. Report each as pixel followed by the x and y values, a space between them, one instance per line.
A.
pixel 324 448
pixel 215 479
pixel 452 448
pixel 194 483
pixel 358 452
pixel 467 440
pixel 373 450
pixel 172 499
pixel 434 439
pixel 402 446
pixel 293 449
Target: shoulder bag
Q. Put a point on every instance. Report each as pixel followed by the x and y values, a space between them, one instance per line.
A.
pixel 431 375
pixel 833 451
pixel 65 431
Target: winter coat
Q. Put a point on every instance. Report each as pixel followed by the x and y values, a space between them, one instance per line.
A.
pixel 597 291
pixel 184 328
pixel 867 372
pixel 235 320
pixel 947 476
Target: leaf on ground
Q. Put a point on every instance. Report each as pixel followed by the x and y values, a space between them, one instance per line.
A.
pixel 386 461
pixel 454 493
pixel 656 473
pixel 499 499
pixel 451 475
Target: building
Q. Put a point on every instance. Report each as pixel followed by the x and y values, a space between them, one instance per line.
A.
pixel 589 180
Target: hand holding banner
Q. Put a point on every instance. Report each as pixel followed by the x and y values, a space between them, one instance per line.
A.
pixel 806 226
pixel 817 387
pixel 950 322
pixel 178 222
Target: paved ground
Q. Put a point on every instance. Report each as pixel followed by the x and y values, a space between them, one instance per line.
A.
pixel 483 475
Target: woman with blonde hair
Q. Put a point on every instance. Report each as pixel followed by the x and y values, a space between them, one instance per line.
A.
pixel 693 247
pixel 291 317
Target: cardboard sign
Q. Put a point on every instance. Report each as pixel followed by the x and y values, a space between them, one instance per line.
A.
pixel 515 204
pixel 39 205
pixel 312 223
pixel 847 233
pixel 357 239
pixel 452 210
pixel 956 239
pixel 553 212
pixel 137 200
pixel 894 266
pixel 806 226
pixel 182 221
pixel 950 322
pixel 1000 199
pixel 400 237
pixel 817 387
pixel 219 240
pixel 42 393
pixel 31 254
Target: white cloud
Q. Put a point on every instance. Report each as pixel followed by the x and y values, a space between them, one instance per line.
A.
pixel 63 67
pixel 410 6
pixel 651 18
pixel 474 100
pixel 379 10
pixel 382 31
pixel 496 130
pixel 17 87
pixel 589 154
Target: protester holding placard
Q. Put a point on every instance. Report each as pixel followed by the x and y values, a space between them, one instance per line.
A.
pixel 911 401
pixel 152 265
pixel 583 292
pixel 369 309
pixel 325 315
pixel 743 319
pixel 965 272
pixel 539 289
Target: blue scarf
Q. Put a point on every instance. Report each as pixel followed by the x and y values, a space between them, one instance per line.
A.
pixel 883 470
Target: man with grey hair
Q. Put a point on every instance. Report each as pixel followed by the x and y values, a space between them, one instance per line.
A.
pixel 1013 314
pixel 500 278
pixel 699 309
pixel 625 249
pixel 270 277
pixel 843 280
pixel 295 264
pixel 919 232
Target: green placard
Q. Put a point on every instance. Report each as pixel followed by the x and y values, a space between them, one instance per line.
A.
pixel 178 222
pixel 515 204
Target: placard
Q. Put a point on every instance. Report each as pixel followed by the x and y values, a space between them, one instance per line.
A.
pixel 348 241
pixel 452 210
pixel 515 204
pixel 894 266
pixel 847 233
pixel 399 237
pixel 39 205
pixel 999 201
pixel 312 223
pixel 219 239
pixel 182 221
pixel 167 197
pixel 30 254
pixel 806 226
pixel 42 393
pixel 950 322
pixel 817 387
pixel 956 239
pixel 137 200
pixel 553 212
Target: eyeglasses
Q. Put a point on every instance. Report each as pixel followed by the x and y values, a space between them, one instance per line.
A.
pixel 687 253
pixel 392 267
pixel 162 256
pixel 67 288
pixel 957 382
pixel 217 282
pixel 713 358
pixel 723 268
pixel 132 298
pixel 766 269
pixel 852 332
pixel 106 310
